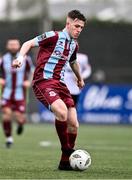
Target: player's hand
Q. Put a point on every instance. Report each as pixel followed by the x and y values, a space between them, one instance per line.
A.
pixel 80 83
pixel 26 84
pixel 2 82
pixel 16 63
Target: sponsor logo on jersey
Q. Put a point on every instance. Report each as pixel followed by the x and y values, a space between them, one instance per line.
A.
pixel 21 108
pixel 60 43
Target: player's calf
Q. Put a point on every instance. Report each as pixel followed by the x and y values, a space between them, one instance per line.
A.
pixel 20 129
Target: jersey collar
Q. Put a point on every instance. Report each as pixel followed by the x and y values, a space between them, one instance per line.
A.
pixel 67 34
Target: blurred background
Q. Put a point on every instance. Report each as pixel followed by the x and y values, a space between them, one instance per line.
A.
pixel 106 39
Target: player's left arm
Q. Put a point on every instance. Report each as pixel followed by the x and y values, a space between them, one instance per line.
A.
pixel 76 69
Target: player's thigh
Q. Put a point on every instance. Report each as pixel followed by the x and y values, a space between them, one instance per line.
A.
pixel 59 108
pixel 19 116
pixel 45 94
pixel 72 118
pixel 6 107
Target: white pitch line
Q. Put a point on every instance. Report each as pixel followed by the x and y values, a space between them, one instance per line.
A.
pixel 45 143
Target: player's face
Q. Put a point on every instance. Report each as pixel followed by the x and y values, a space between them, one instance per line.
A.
pixel 13 46
pixel 75 28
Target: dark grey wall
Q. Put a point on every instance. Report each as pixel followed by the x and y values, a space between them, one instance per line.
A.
pixel 109 48
pixel 108 45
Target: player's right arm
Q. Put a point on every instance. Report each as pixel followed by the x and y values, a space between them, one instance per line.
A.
pixel 2 77
pixel 23 51
pixel 2 80
pixel 40 40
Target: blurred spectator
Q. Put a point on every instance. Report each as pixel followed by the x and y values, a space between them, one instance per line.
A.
pixel 14 84
pixel 99 76
pixel 70 79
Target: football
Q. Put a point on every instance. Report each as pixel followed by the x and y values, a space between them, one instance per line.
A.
pixel 80 160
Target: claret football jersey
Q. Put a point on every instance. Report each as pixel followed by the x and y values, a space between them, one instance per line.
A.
pixel 56 50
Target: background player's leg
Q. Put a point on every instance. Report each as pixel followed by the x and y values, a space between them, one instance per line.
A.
pixel 20 116
pixel 7 125
pixel 21 119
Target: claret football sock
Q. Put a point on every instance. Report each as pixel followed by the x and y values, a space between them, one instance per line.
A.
pixel 20 127
pixel 64 165
pixel 7 127
pixel 64 162
pixel 61 128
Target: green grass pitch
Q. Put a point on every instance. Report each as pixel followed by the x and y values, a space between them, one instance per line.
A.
pixel 110 148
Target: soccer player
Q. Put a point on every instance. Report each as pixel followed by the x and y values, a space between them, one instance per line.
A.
pixel 70 79
pixel 56 49
pixel 14 83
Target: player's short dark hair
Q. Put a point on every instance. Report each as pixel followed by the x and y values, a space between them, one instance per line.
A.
pixel 76 14
pixel 13 38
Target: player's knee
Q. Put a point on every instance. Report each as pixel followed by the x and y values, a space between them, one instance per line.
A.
pixel 62 115
pixel 20 117
pixel 75 126
pixel 60 110
pixel 6 115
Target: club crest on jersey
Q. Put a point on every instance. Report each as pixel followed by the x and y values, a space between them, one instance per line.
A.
pixel 52 93
pixel 57 52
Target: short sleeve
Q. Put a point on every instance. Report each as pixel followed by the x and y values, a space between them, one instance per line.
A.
pixel 1 68
pixel 44 37
pixel 74 55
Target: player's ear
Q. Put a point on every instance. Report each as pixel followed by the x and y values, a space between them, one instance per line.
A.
pixel 68 21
